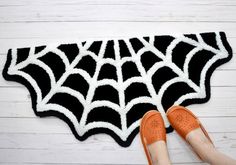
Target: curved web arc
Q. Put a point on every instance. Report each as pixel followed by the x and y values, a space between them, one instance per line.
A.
pixel 154 68
pixel 63 57
pixel 169 83
pixel 47 69
pixel 104 103
pixel 126 59
pixel 106 81
pixel 188 59
pixel 132 127
pixel 101 124
pixel 170 48
pixel 142 52
pixel 142 99
pixel 88 53
pixel 81 72
pixel 130 81
pixel 72 92
pixel 108 61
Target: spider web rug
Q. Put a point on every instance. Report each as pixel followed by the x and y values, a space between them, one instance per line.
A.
pixel 106 86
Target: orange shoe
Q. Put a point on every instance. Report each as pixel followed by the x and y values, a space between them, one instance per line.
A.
pixel 152 129
pixel 184 121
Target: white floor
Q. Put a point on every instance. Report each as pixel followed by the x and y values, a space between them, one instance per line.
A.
pixel 27 139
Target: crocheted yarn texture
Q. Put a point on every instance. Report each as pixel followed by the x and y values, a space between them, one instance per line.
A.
pixel 105 86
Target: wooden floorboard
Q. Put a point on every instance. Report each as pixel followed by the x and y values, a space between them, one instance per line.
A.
pixel 27 139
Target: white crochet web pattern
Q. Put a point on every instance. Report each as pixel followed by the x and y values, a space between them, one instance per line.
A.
pixel 92 57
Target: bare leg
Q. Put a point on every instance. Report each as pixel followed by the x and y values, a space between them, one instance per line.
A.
pixel 206 150
pixel 159 153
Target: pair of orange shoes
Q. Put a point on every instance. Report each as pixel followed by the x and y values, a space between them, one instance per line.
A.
pixel 152 126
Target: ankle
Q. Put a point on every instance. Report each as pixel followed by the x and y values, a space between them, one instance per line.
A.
pixel 159 153
pixel 161 159
pixel 197 137
pixel 200 144
pixel 206 151
pixel 161 162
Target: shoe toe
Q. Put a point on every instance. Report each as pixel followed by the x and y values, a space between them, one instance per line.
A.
pixel 182 120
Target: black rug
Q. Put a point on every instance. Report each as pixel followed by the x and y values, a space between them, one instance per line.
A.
pixel 105 86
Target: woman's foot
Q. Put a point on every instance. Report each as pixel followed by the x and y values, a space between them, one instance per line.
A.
pixel 153 136
pixel 189 128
